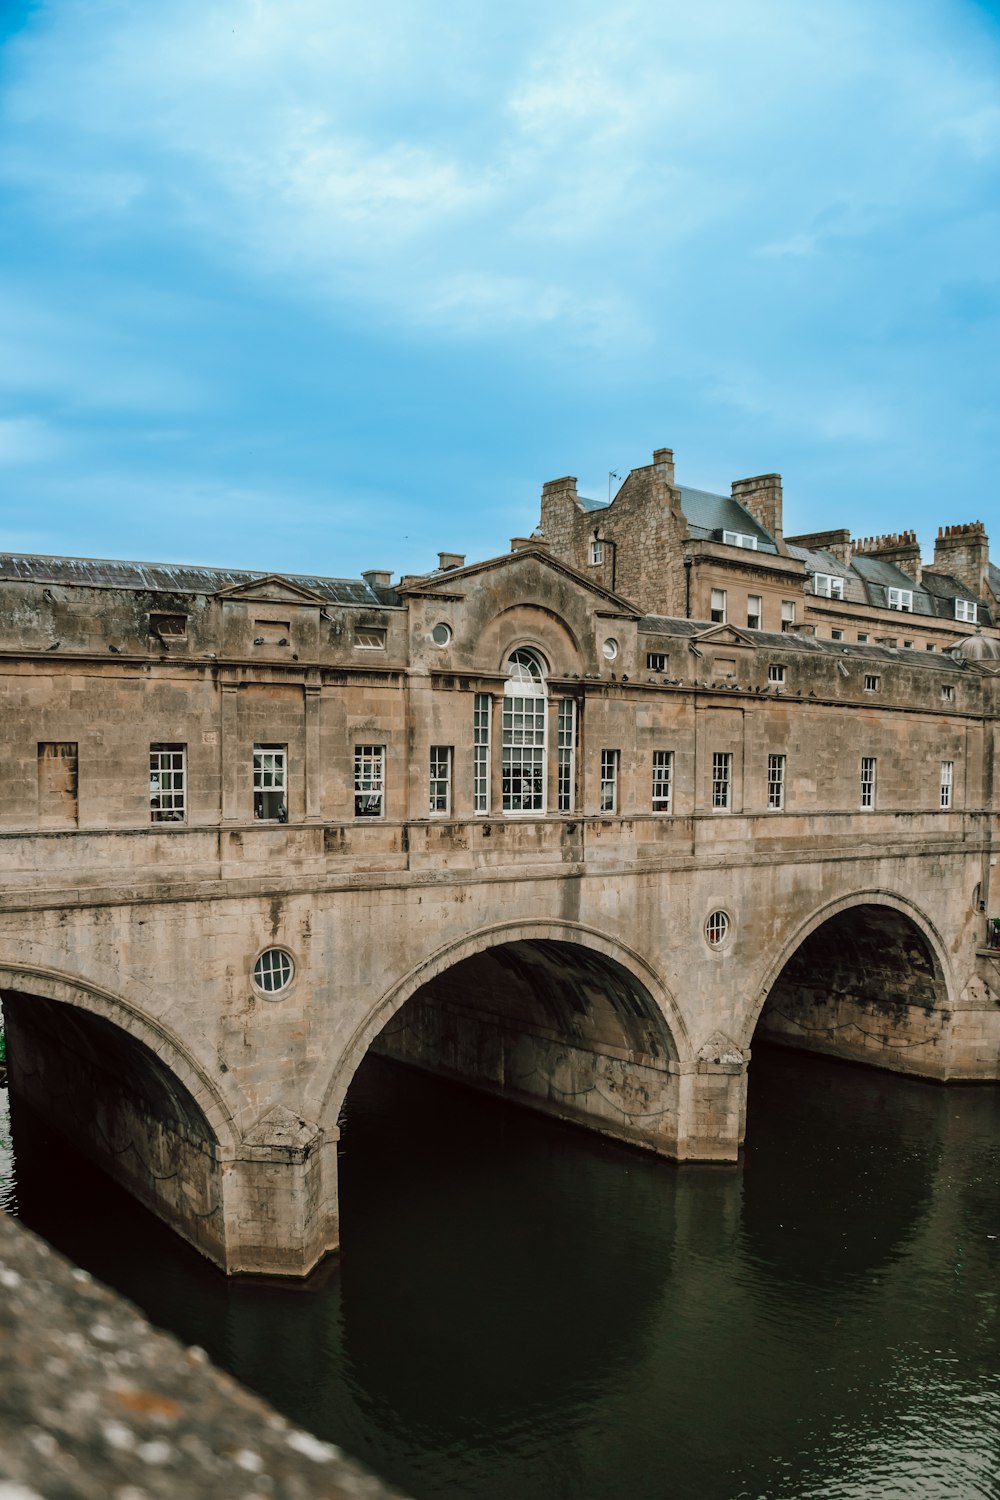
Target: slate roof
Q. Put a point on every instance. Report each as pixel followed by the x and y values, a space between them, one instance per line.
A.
pixel 708 514
pixel 797 641
pixel 818 560
pixel 177 578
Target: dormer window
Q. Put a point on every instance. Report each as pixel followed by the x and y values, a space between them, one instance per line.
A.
pixel 596 552
pixel 828 586
pixel 740 539
pixel 967 611
pixel 901 599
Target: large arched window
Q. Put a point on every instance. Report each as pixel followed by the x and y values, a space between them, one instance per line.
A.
pixel 525 709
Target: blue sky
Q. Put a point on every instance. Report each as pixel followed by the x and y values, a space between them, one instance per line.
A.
pixel 316 285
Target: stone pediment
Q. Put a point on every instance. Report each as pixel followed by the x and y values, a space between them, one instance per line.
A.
pixel 452 582
pixel 270 590
pixel 722 635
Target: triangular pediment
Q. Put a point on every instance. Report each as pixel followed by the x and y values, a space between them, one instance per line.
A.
pixel 270 590
pixel 454 583
pixel 723 635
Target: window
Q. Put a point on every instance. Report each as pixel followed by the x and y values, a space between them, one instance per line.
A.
pixel 441 634
pixel 828 586
pixel 776 782
pixel 722 778
pixel 718 610
pixel 901 599
pixel 716 929
pixel 755 611
pixel 947 779
pixel 775 674
pixel 966 610
pixel 596 552
pixel 566 751
pixel 270 783
pixel 369 638
pixel 908 645
pixel 271 632
pixel 168 627
pixel 481 753
pixel 656 661
pixel 166 783
pixel 524 727
pixel 868 782
pixel 873 683
pixel 609 780
pixel 740 539
pixel 787 614
pixel 947 693
pixel 369 781
pixel 440 780
pixel 273 970
pixel 929 646
pixel 836 635
pixel 663 780
pixel 610 649
pixel 862 638
pixel 58 765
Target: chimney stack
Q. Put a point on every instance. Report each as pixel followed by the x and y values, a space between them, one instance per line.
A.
pixel 761 496
pixel 899 547
pixel 449 560
pixel 378 578
pixel 964 552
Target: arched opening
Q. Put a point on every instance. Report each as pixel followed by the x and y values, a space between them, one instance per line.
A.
pixel 117 1102
pixel 550 1024
pixel 865 984
pixel 524 733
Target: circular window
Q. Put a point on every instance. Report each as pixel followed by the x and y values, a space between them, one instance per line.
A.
pixel 610 649
pixel 716 929
pixel 441 634
pixel 273 970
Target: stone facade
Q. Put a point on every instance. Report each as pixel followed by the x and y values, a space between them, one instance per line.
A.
pixel 717 558
pixel 502 821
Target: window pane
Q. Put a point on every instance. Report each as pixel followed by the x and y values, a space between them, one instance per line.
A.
pixel 167 783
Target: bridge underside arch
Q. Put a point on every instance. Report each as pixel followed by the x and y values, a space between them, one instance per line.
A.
pixel 120 1105
pixel 867 985
pixel 552 1025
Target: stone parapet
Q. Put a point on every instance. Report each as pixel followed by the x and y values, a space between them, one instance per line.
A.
pixel 97 1403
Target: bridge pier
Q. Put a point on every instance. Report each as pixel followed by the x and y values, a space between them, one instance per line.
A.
pixel 280 1198
pixel 267 1205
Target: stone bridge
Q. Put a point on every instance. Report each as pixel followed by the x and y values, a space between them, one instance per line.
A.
pixel 577 967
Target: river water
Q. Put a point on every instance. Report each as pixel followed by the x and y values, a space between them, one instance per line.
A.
pixel 522 1310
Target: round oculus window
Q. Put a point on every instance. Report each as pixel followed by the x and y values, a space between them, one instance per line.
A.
pixel 716 929
pixel 441 634
pixel 610 649
pixel 273 971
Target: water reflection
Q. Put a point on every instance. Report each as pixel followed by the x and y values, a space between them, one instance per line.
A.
pixel 523 1310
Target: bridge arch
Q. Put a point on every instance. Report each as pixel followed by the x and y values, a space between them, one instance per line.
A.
pixel 865 977
pixel 127 1093
pixel 153 1035
pixel 603 1028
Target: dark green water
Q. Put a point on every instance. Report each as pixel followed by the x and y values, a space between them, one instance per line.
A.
pixel 524 1311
